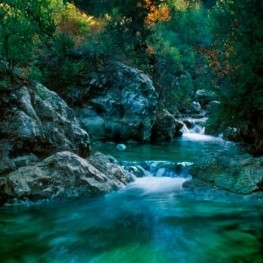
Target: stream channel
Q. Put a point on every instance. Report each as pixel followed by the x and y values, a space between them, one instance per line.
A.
pixel 152 220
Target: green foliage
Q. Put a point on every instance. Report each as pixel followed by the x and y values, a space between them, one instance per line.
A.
pixel 180 69
pixel 68 74
pixel 23 26
pixel 240 46
pixel 63 44
pixel 42 93
pixel 15 37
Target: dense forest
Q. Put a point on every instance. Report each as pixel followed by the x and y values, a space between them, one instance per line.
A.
pixel 183 45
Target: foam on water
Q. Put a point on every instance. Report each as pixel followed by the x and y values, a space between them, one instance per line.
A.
pixel 201 137
pixel 150 184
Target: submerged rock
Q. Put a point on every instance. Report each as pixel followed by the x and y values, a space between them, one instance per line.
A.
pixel 241 175
pixel 119 104
pixel 64 175
pixel 36 123
pixel 121 147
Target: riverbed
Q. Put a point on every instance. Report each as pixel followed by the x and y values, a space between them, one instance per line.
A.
pixel 153 220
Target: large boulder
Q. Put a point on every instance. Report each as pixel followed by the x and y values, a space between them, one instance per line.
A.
pixel 35 123
pixel 118 104
pixel 241 175
pixel 63 175
pixel 166 127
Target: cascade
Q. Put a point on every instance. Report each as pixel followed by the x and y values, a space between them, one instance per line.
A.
pixel 158 176
pixel 185 129
pixel 195 126
pixel 194 130
pixel 158 169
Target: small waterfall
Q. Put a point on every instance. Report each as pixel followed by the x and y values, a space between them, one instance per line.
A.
pixel 157 176
pixel 197 129
pixel 194 130
pixel 195 126
pixel 185 129
pixel 158 169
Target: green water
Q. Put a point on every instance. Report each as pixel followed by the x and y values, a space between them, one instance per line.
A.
pixel 153 220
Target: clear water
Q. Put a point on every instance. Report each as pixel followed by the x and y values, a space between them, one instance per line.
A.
pixel 153 220
pixel 190 147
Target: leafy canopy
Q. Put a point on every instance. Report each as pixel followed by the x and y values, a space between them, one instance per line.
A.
pixel 240 47
pixel 24 26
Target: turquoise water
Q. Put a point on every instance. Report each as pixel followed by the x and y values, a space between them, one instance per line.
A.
pixel 153 220
pixel 189 148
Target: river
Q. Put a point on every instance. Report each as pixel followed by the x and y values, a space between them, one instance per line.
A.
pixel 152 220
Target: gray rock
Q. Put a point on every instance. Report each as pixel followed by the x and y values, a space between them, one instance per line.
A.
pixel 63 175
pixel 166 127
pixel 35 123
pixel 120 105
pixel 109 165
pixel 241 175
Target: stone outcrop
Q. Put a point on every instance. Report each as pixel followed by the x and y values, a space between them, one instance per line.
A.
pixel 35 122
pixel 166 127
pixel 45 155
pixel 64 175
pixel 241 174
pixel 118 105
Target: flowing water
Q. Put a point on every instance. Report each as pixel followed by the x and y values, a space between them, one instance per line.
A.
pixel 152 220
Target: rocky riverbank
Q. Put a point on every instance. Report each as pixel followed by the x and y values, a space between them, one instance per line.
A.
pixel 45 154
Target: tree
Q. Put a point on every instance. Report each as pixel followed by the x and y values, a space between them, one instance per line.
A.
pixel 24 25
pixel 240 49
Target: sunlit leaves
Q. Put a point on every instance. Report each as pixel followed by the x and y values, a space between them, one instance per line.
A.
pixel 157 13
pixel 77 24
